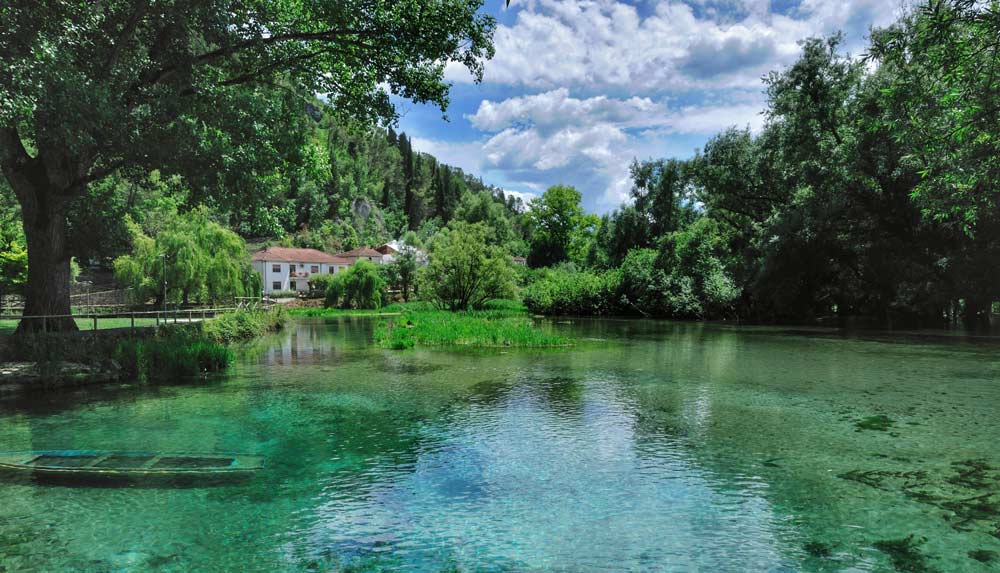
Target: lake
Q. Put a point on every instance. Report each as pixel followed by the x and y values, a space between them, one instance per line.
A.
pixel 650 446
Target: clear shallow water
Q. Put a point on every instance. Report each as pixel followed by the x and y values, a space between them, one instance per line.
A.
pixel 665 447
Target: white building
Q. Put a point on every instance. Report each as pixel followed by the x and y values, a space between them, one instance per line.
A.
pixel 392 249
pixel 366 253
pixel 284 269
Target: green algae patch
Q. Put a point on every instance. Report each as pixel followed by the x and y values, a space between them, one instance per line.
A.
pixel 905 554
pixel 984 555
pixel 972 474
pixel 817 549
pixel 878 478
pixel 489 328
pixel 880 423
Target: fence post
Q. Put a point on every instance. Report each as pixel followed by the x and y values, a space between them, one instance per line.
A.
pixel 131 316
pixel 95 322
pixel 45 326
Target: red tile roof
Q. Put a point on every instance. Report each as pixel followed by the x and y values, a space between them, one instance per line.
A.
pixel 290 255
pixel 362 252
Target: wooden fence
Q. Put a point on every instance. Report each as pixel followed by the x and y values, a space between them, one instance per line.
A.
pixel 126 318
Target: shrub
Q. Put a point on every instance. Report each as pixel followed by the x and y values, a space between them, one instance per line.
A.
pixel 319 283
pixel 243 325
pixel 581 293
pixel 284 294
pixel 361 286
pixel 684 278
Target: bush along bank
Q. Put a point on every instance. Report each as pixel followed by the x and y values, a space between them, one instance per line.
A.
pixel 193 350
pixel 178 354
pixel 44 361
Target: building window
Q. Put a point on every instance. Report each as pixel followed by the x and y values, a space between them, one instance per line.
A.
pixel 276 285
pixel 332 270
pixel 291 285
pixel 275 268
pixel 314 269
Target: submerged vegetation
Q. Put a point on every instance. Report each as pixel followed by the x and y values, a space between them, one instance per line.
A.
pixel 966 492
pixel 905 554
pixel 880 423
pixel 498 327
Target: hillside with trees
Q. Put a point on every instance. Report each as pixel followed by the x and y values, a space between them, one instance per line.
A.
pixel 869 192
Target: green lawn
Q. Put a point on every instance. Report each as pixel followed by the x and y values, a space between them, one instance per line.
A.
pixel 7 325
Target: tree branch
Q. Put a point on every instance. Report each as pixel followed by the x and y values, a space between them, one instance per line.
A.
pixel 226 51
pixel 141 7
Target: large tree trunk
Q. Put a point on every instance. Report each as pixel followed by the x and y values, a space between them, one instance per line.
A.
pixel 44 186
pixel 47 292
pixel 977 314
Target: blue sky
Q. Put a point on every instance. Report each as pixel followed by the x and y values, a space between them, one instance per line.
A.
pixel 578 89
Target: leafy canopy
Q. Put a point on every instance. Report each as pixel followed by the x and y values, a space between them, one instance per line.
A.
pixel 465 269
pixel 198 258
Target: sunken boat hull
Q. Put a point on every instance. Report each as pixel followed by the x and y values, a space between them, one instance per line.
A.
pixel 92 466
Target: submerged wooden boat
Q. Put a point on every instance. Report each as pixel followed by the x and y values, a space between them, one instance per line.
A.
pixel 87 465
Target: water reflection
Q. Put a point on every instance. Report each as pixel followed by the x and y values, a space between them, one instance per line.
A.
pixel 672 447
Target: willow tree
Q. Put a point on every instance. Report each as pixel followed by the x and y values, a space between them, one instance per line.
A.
pixel 208 89
pixel 191 258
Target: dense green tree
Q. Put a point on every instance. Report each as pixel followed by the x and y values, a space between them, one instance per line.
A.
pixel 191 259
pixel 465 269
pixel 483 208
pixel 406 272
pixel 208 89
pixel 940 95
pixel 13 255
pixel 360 286
pixel 660 190
pixel 553 218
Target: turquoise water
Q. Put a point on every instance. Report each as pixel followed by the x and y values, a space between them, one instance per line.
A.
pixel 657 447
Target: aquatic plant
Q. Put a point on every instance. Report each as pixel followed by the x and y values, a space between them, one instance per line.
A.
pixel 905 554
pixel 984 555
pixel 392 309
pixel 817 549
pixel 487 328
pixel 879 423
pixel 972 474
pixel 877 478
pixel 176 355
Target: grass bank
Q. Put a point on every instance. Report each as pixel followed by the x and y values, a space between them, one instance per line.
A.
pixel 9 324
pixel 389 310
pixel 485 328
